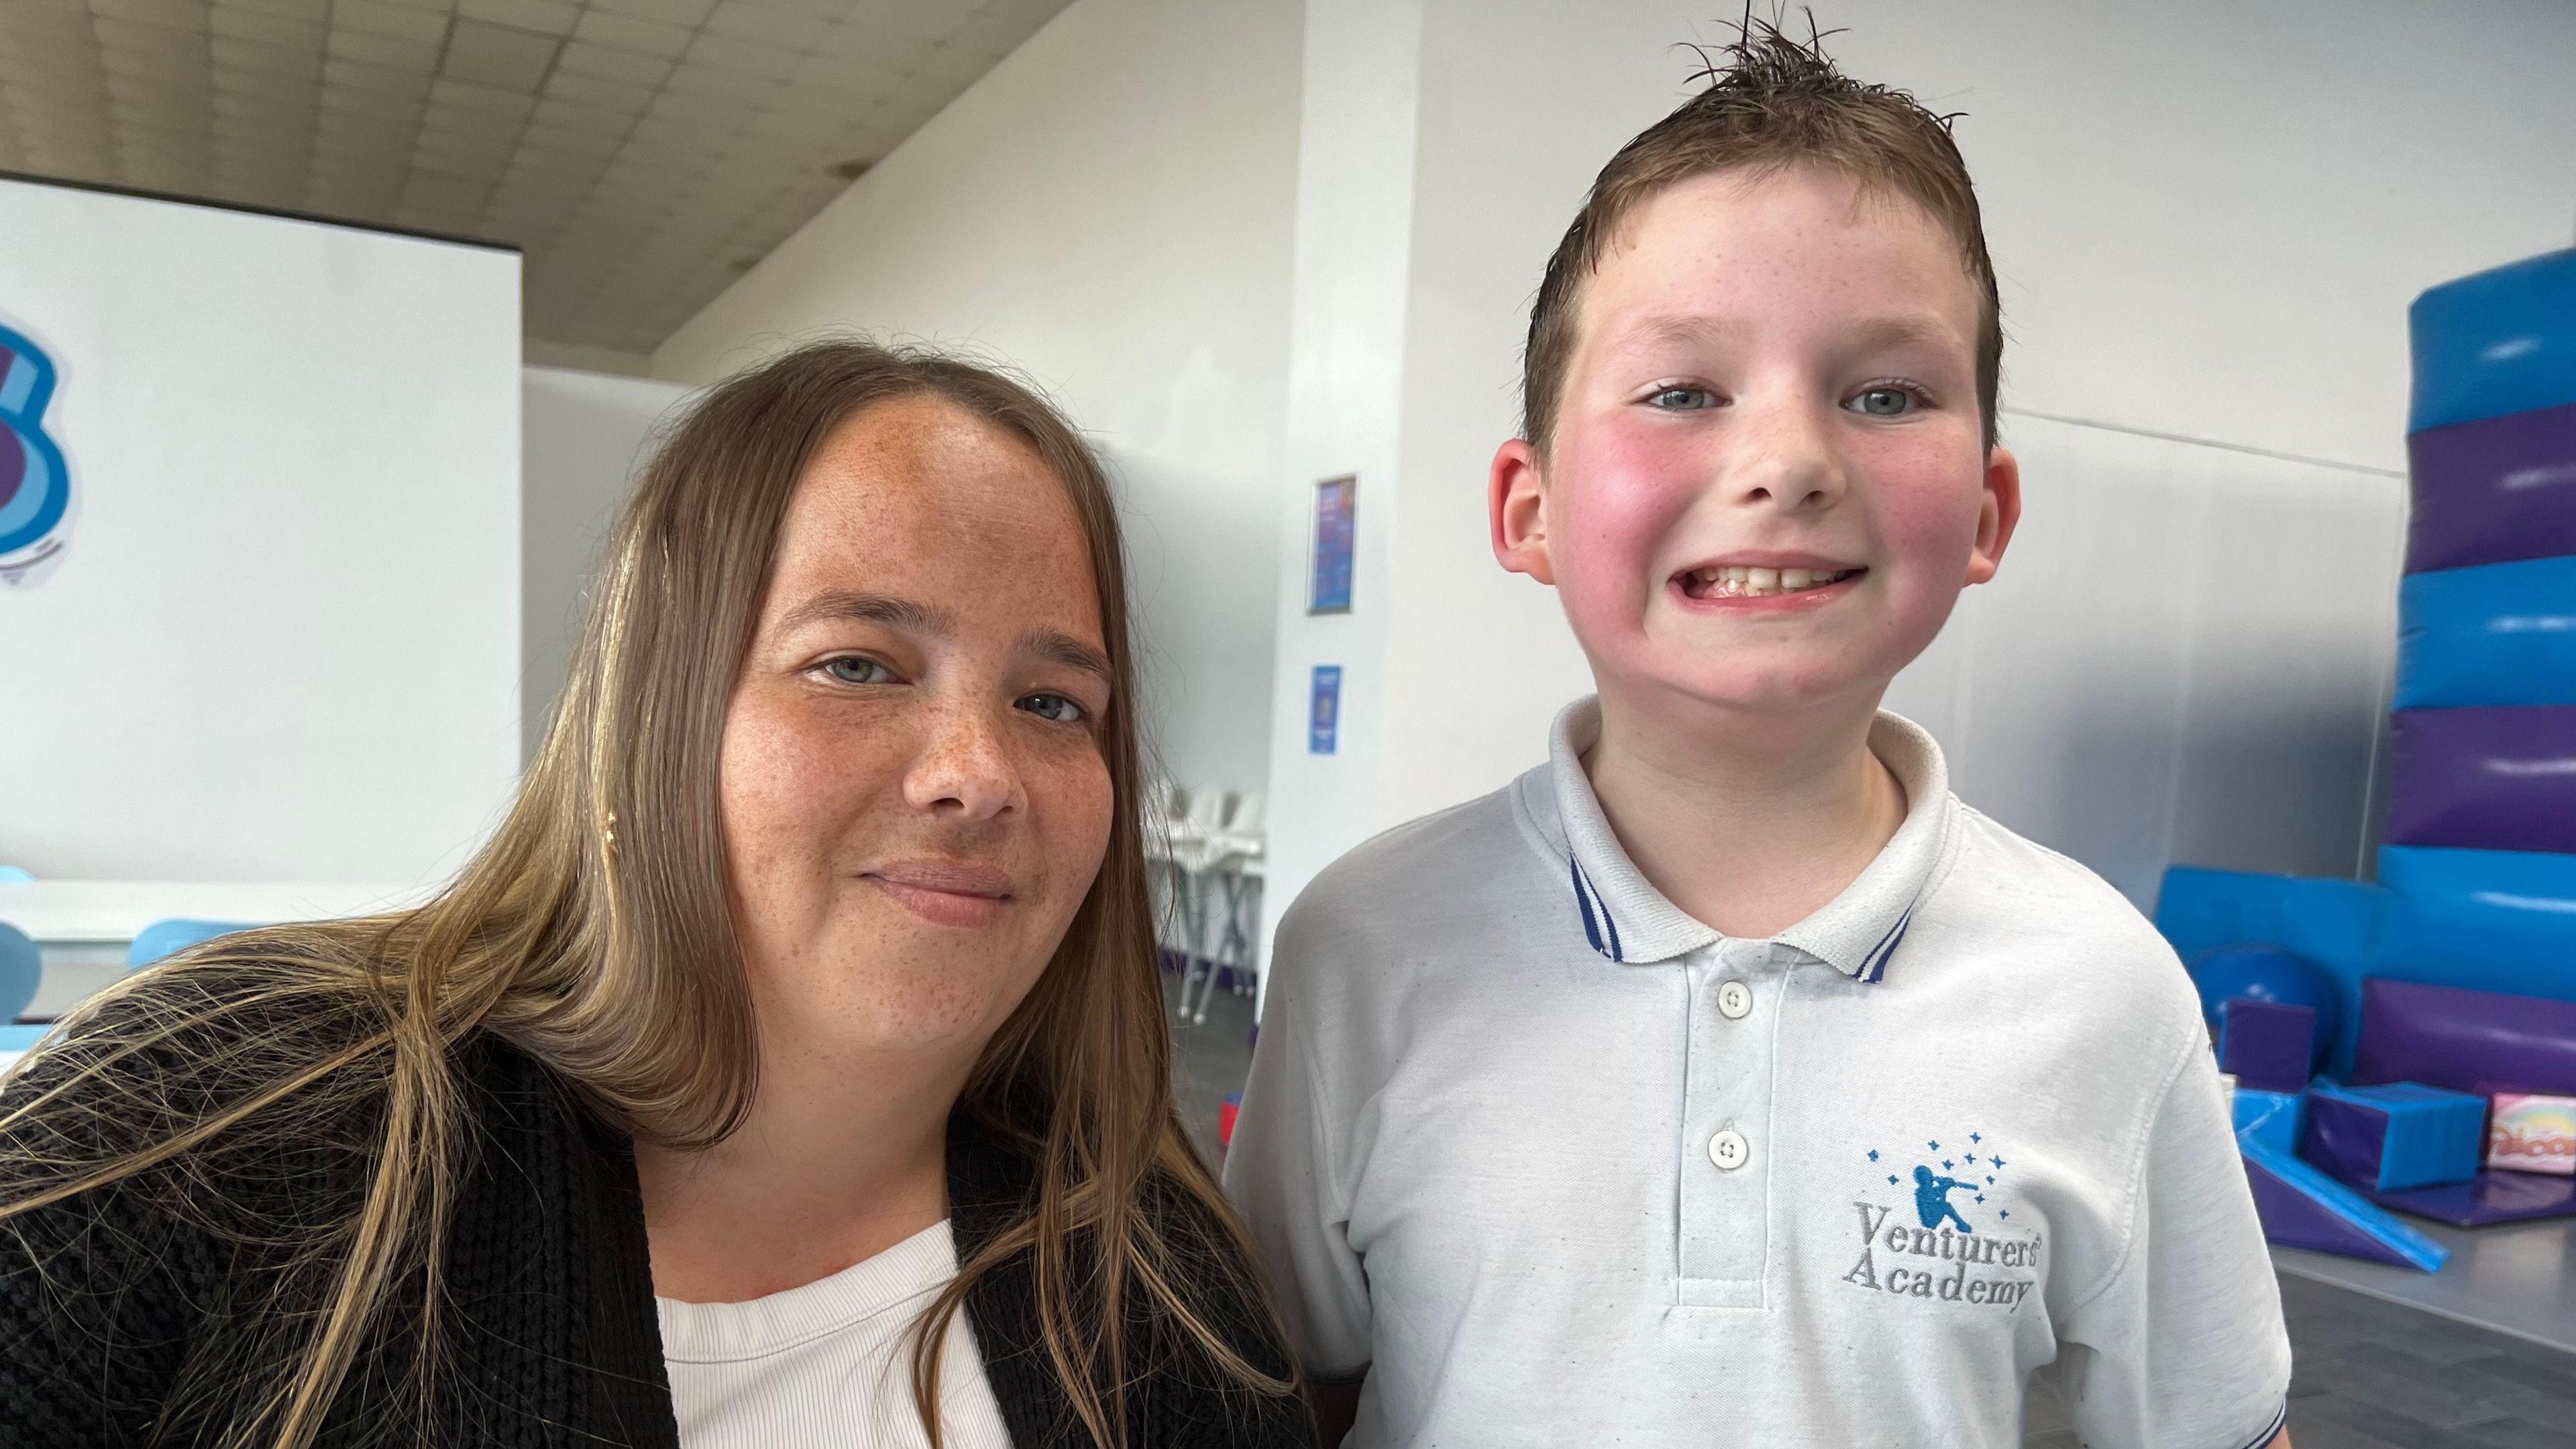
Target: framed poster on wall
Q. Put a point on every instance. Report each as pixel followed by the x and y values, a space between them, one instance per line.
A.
pixel 1328 585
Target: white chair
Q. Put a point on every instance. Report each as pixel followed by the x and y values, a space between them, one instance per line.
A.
pixel 1193 838
pixel 1233 863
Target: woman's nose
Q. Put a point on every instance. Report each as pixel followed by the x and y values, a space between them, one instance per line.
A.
pixel 964 770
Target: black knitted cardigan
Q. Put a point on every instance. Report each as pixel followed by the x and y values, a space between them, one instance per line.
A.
pixel 116 1316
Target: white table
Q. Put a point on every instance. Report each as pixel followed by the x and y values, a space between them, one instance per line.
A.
pixel 82 926
pixel 114 910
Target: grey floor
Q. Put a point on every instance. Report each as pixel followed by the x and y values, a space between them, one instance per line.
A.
pixel 2368 1373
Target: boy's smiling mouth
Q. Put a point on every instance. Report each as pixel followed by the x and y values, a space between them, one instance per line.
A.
pixel 1750 581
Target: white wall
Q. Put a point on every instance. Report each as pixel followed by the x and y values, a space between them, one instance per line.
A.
pixel 284 643
pixel 2208 219
pixel 583 436
pixel 1109 210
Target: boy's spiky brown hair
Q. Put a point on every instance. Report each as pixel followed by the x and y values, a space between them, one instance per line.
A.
pixel 1773 103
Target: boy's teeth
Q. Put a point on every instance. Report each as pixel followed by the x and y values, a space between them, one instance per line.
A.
pixel 1737 582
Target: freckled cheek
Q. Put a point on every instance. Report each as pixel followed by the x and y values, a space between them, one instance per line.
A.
pixel 793 782
pixel 1070 802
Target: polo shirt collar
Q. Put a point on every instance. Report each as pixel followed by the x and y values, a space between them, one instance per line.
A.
pixel 1626 919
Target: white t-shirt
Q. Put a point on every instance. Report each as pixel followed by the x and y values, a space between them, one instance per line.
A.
pixel 1556 1163
pixel 830 1363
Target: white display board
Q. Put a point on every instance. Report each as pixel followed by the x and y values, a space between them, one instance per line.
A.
pixel 282 639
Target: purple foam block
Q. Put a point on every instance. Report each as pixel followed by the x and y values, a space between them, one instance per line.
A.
pixel 2489 1197
pixel 2468 1041
pixel 2485 779
pixel 2494 490
pixel 2303 1208
pixel 2268 1045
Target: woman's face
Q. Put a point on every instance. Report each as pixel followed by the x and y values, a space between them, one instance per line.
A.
pixel 915 799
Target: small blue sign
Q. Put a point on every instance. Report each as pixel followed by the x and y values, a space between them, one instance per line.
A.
pixel 1336 504
pixel 1324 717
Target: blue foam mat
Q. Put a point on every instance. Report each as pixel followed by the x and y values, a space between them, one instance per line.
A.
pixel 2331 922
pixel 2499 634
pixel 2486 920
pixel 2501 341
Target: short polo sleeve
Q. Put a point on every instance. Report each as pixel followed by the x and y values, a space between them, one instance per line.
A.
pixel 2183 1347
pixel 1282 1174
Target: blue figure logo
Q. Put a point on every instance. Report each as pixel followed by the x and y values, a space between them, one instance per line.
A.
pixel 35 487
pixel 1932 1199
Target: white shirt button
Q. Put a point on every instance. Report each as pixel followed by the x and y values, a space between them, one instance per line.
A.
pixel 1728 1150
pixel 1734 999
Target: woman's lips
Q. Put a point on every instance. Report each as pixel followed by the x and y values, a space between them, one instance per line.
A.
pixel 945 892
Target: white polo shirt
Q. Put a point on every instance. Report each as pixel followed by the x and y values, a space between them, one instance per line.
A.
pixel 1555 1163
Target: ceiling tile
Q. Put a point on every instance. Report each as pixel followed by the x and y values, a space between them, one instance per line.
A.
pixel 768 62
pixel 569 141
pixel 456 121
pixel 738 91
pixel 556 111
pixel 496 55
pixel 391 51
pixel 251 55
pixel 953 67
pixel 376 17
pixel 767 24
pixel 190 13
pixel 580 57
pixel 491 100
pixel 639 187
pixel 130 35
pixel 851 40
pixel 316 11
pixel 262 26
pixel 624 32
pixel 668 12
pixel 932 20
pixel 708 112
pixel 553 17
pixel 465 156
pixel 604 95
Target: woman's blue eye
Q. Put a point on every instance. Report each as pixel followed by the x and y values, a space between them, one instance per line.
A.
pixel 854 669
pixel 1054 707
pixel 1883 402
pixel 1682 399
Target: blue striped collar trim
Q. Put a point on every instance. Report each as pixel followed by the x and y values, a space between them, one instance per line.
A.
pixel 1598 927
pixel 1625 919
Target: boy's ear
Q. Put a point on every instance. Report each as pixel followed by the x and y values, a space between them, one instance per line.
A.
pixel 1997 514
pixel 1516 510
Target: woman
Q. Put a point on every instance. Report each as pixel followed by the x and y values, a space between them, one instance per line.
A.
pixel 788 1070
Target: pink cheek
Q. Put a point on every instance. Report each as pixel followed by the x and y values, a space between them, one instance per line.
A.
pixel 1637 485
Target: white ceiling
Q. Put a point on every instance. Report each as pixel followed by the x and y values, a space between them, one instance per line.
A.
pixel 643 153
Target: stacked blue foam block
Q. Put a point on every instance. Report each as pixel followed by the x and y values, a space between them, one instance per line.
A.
pixel 2481 852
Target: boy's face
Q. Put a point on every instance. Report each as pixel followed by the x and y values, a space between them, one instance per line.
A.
pixel 1768 481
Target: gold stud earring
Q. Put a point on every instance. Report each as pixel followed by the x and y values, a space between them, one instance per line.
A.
pixel 608 832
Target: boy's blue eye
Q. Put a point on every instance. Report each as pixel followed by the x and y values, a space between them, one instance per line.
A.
pixel 1054 707
pixel 1682 399
pixel 1883 402
pixel 857 669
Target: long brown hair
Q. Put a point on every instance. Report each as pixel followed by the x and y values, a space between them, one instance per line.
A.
pixel 592 932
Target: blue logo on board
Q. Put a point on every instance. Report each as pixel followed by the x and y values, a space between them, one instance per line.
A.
pixel 35 487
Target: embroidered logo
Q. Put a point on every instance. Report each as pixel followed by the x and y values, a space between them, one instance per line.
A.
pixel 1928 1242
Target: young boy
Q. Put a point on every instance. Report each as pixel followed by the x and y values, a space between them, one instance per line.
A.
pixel 1724 1080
